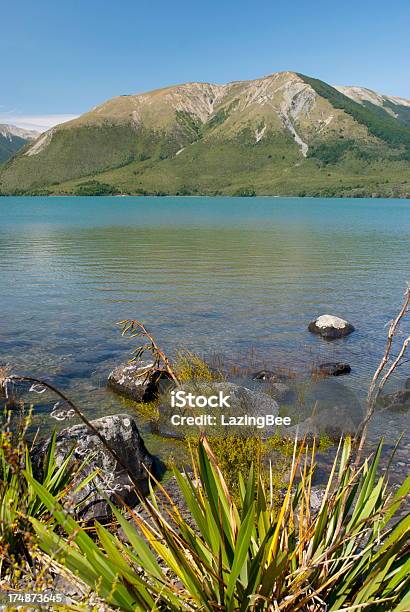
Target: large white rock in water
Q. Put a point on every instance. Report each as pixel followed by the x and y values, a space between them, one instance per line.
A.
pixel 329 326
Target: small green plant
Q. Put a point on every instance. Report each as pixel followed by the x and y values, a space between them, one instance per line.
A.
pixel 236 455
pixel 191 368
pixel 19 501
pixel 349 555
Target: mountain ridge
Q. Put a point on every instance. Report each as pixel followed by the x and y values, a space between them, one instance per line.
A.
pixel 281 134
pixel 12 139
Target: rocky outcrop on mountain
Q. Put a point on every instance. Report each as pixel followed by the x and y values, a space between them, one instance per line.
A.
pixel 396 107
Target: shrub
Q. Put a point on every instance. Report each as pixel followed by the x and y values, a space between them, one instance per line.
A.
pixel 19 501
pixel 245 192
pixel 228 558
pixel 94 188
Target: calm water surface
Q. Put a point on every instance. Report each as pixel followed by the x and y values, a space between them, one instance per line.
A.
pixel 237 277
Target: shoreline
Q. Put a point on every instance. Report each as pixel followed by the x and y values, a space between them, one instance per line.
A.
pixel 205 196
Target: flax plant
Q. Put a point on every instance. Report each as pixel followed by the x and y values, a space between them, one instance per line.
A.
pixel 350 554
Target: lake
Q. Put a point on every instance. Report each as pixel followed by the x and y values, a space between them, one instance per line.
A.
pixel 239 278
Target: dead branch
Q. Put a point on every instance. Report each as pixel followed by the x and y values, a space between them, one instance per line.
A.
pixel 36 381
pixel 136 329
pixel 383 372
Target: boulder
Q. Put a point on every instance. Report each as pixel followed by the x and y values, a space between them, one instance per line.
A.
pixel 398 400
pixel 329 408
pixel 242 401
pixel 330 327
pixel 281 392
pixel 269 376
pixel 333 368
pixel 139 381
pixel 121 433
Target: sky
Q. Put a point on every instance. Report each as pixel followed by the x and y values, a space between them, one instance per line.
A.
pixel 59 59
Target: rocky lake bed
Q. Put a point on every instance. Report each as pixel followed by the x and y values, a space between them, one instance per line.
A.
pixel 315 404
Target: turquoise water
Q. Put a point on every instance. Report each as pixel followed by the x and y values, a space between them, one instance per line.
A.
pixel 236 277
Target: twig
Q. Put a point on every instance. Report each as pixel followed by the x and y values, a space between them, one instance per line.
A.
pixel 111 450
pixel 381 376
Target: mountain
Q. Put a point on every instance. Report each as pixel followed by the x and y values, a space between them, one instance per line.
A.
pixel 283 134
pixel 396 107
pixel 13 138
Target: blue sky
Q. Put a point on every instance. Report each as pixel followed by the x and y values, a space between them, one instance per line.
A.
pixel 61 58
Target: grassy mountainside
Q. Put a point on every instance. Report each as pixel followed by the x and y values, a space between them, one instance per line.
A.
pixel 284 134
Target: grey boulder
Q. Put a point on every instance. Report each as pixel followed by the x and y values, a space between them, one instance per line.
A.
pixel 139 381
pixel 333 368
pixel 330 327
pixel 329 408
pixel 112 481
pixel 398 400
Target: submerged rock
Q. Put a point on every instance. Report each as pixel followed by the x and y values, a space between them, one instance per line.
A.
pixel 139 381
pixel 334 368
pixel 243 402
pixel 121 433
pixel 329 408
pixel 281 392
pixel 269 376
pixel 273 384
pixel 330 327
pixel 398 400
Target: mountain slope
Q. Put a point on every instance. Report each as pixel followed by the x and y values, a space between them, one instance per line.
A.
pixel 396 107
pixel 282 134
pixel 13 138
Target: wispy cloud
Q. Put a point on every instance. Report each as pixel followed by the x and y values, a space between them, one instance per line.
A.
pixel 41 123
